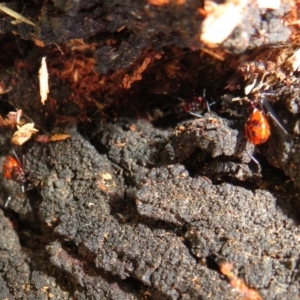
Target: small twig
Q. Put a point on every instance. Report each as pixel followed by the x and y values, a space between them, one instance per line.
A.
pixel 14 14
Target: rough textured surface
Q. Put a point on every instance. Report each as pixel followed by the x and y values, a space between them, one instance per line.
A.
pixel 249 226
pixel 115 240
pixel 25 268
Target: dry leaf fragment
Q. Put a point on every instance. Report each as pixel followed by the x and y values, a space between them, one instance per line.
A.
pixel 23 134
pixel 39 43
pixel 59 137
pixel 15 15
pixel 43 77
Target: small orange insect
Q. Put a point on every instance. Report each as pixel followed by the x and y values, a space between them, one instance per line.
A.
pixel 13 170
pixel 257 128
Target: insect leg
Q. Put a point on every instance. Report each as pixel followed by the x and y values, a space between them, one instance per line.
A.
pixel 271 113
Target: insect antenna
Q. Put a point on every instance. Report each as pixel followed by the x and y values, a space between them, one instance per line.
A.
pixel 272 114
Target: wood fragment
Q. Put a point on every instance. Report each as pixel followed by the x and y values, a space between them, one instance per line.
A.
pixel 59 137
pixel 14 14
pixel 238 284
pixel 43 77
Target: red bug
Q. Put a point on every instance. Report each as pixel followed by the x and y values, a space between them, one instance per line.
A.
pixel 257 128
pixel 13 169
pixel 194 105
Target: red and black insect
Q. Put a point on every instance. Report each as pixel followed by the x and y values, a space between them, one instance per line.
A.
pixel 13 169
pixel 257 128
pixel 194 105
